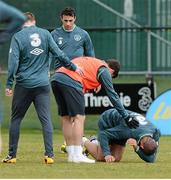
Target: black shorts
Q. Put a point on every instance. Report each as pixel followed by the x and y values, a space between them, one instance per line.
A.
pixel 70 100
pixel 121 142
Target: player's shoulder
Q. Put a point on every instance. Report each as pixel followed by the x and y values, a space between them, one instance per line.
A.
pixel 80 30
pixel 56 31
pixel 34 30
pixel 42 31
pixel 19 33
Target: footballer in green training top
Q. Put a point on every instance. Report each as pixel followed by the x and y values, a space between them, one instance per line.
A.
pixel 114 134
pixel 71 39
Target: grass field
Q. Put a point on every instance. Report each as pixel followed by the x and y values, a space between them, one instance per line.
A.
pixel 30 153
pixel 30 161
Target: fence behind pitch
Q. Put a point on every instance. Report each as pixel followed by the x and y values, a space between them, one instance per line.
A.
pixel 118 28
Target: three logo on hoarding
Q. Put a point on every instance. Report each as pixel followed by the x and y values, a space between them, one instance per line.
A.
pixel 146 100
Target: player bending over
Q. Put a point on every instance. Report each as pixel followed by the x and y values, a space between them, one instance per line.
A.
pixel 114 133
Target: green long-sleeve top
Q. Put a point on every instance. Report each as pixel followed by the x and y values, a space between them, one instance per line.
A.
pixel 112 126
pixel 29 57
pixel 74 43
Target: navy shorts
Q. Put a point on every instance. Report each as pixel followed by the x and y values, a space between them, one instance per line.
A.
pixel 70 100
pixel 121 142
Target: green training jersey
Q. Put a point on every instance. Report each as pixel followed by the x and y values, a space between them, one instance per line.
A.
pixel 74 43
pixel 113 127
pixel 29 57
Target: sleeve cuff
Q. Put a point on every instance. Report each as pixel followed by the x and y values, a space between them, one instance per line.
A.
pixel 73 67
pixel 137 149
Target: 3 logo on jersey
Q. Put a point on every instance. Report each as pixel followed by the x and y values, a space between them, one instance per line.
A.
pixel 159 112
pixel 35 42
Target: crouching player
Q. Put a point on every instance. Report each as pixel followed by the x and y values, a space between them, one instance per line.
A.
pixel 114 133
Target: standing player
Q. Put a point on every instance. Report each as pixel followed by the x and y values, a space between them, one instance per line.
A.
pixel 71 39
pixel 114 133
pixel 13 18
pixel 29 63
pixel 69 89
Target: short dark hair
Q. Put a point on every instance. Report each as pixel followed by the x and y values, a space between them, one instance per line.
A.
pixel 149 146
pixel 115 65
pixel 30 16
pixel 68 11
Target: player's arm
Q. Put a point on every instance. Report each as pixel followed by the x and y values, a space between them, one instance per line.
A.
pixel 118 132
pixel 88 46
pixel 156 135
pixel 141 154
pixel 13 62
pixel 149 158
pixel 55 63
pixel 105 79
pixel 13 18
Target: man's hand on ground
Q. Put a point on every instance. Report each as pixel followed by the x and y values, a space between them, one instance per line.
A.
pixel 109 158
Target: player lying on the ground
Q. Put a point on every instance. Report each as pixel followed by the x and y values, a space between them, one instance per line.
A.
pixel 114 133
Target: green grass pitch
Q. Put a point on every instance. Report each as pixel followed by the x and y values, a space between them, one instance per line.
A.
pixel 30 152
pixel 30 161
